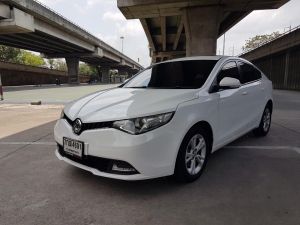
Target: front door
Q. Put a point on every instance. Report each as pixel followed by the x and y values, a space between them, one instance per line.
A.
pixel 232 106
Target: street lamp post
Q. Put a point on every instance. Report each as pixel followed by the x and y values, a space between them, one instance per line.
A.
pixel 122 38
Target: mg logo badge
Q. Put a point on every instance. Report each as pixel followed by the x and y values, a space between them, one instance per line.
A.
pixel 77 126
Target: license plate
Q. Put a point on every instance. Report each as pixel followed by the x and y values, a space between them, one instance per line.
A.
pixel 73 147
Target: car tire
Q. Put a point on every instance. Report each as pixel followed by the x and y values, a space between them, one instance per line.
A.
pixel 265 123
pixel 193 155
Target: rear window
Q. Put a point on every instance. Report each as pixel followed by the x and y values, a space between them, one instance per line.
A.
pixel 190 74
pixel 249 73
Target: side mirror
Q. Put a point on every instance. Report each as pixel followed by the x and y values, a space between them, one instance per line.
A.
pixel 229 83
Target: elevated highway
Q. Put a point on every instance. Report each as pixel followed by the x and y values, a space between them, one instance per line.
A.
pixel 28 24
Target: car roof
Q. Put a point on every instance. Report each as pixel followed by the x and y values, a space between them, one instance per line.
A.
pixel 216 57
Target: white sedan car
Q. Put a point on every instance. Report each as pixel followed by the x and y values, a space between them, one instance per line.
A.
pixel 166 120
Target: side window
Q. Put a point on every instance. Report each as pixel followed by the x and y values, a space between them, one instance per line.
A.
pixel 230 69
pixel 249 73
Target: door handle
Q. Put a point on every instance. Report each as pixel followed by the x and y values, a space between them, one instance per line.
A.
pixel 245 93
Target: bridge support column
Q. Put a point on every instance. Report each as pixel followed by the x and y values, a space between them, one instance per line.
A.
pixel 122 72
pixel 99 73
pixel 73 70
pixel 131 73
pixel 286 68
pixel 105 74
pixel 201 26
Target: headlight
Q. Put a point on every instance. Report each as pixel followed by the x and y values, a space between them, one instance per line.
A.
pixel 143 124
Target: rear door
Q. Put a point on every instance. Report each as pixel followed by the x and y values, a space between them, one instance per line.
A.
pixel 253 92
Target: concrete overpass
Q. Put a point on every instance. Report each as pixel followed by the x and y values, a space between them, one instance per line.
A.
pixel 30 25
pixel 279 59
pixel 177 28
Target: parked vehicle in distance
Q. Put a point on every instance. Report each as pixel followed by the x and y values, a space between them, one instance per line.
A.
pixel 166 120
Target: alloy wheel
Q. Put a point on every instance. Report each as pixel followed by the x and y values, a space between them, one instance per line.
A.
pixel 266 120
pixel 195 154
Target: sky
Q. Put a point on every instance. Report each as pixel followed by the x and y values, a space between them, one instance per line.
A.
pixel 103 19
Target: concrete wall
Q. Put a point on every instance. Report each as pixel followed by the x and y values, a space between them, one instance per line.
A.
pixel 15 75
pixel 283 68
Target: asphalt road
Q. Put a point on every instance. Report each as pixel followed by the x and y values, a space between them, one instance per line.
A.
pixel 250 181
pixel 50 94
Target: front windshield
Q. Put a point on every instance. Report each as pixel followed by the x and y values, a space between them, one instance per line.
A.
pixel 190 74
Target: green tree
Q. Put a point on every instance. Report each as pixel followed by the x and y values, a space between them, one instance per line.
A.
pixel 256 41
pixel 86 69
pixel 9 54
pixel 51 63
pixel 60 65
pixel 31 59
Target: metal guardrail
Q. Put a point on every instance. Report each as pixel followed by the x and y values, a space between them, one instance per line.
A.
pixel 86 31
pixel 271 40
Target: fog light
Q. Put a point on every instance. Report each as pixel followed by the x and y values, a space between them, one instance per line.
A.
pixel 122 168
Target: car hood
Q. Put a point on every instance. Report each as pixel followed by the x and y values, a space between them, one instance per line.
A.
pixel 125 103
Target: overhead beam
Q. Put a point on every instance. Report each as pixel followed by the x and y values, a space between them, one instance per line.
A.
pixel 178 34
pixel 24 45
pixel 15 45
pixel 111 56
pixel 232 19
pixel 61 34
pixel 41 37
pixel 4 11
pixel 18 22
pixel 25 40
pixel 163 32
pixel 169 53
pixel 148 34
pixel 97 54
pixel 64 55
pixel 136 9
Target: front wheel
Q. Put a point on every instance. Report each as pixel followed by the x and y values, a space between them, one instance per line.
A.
pixel 265 123
pixel 192 156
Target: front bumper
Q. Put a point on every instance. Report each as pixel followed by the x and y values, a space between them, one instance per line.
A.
pixel 152 154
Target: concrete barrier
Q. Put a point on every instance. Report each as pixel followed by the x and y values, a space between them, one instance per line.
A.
pixel 16 75
pixel 1 90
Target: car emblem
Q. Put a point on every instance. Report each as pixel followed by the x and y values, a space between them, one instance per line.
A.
pixel 77 126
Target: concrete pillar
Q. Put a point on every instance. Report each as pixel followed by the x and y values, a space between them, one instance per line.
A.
pixel 286 69
pixel 105 74
pixel 131 73
pixel 73 70
pixel 99 73
pixel 122 72
pixel 201 26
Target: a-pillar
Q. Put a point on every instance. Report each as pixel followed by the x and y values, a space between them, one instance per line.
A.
pixel 201 26
pixel 73 70
pixel 105 74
